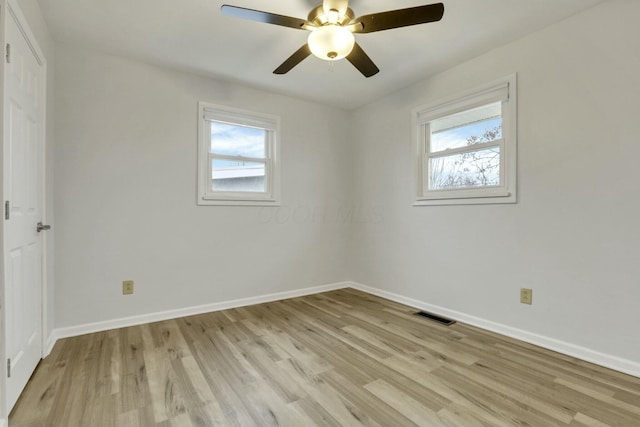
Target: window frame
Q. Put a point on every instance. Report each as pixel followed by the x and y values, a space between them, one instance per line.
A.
pixel 207 113
pixel 503 91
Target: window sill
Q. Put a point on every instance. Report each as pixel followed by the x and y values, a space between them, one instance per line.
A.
pixel 234 202
pixel 492 198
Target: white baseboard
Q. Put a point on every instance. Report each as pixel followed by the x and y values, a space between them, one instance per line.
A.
pixel 613 362
pixel 106 325
pixel 51 341
pixel 608 361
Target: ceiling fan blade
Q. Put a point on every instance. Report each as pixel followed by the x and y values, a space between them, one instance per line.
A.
pixel 266 17
pixel 339 5
pixel 298 56
pixel 362 62
pixel 400 18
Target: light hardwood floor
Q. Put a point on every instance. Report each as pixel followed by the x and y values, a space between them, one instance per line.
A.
pixel 337 358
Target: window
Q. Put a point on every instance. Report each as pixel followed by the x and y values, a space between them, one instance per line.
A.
pixel 237 157
pixel 466 148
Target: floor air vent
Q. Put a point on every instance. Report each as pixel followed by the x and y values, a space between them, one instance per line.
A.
pixel 436 318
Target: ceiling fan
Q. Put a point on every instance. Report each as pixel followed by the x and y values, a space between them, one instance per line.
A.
pixel 332 25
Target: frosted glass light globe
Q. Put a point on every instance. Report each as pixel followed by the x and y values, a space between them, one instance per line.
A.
pixel 331 42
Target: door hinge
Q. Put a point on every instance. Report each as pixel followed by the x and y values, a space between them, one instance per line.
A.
pixel 6 210
pixel 8 54
pixel 8 368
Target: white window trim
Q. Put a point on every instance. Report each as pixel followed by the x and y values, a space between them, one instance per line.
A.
pixel 503 90
pixel 208 112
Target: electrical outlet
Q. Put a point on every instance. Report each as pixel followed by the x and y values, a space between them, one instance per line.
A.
pixel 127 287
pixel 526 296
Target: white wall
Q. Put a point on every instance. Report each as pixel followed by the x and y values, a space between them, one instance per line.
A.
pixel 573 236
pixel 126 195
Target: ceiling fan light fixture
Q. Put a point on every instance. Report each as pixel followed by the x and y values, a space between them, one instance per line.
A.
pixel 331 42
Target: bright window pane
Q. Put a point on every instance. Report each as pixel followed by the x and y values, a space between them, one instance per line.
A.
pixel 467 128
pixel 235 140
pixel 479 168
pixel 230 175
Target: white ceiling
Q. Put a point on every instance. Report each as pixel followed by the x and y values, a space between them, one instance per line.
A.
pixel 193 35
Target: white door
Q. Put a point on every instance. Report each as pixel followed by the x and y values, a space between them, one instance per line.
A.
pixel 23 191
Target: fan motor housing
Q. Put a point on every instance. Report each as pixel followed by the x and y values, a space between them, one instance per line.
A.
pixel 318 18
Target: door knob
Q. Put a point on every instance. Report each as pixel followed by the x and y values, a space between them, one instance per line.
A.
pixel 41 227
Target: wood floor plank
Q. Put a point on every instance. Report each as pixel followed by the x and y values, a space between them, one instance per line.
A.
pixel 134 386
pixel 585 421
pixel 323 395
pixel 70 396
pixel 604 397
pixel 456 415
pixel 340 358
pixel 540 401
pixel 316 413
pixel 278 380
pixel 368 404
pixel 405 404
pixel 204 353
pixel 502 406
